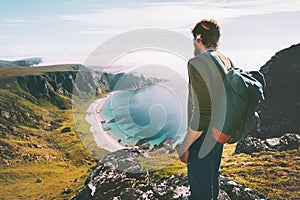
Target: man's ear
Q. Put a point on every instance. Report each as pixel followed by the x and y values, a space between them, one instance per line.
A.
pixel 198 37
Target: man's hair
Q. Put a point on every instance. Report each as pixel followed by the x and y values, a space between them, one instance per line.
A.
pixel 209 32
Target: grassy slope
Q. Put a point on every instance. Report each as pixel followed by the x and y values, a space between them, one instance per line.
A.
pixel 274 174
pixel 61 157
pixel 23 71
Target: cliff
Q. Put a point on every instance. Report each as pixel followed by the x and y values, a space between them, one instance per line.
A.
pixel 280 112
pixel 122 81
pixel 120 176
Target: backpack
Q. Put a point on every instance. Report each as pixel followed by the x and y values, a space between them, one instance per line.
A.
pixel 244 92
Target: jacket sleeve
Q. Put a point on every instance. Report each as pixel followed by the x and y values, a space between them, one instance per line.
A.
pixel 199 103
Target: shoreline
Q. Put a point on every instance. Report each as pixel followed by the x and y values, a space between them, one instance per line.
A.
pixel 102 137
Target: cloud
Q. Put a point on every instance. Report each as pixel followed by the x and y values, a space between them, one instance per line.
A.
pixel 47 35
pixel 165 14
pixel 14 21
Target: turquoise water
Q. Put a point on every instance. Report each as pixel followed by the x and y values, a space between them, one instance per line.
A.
pixel 154 113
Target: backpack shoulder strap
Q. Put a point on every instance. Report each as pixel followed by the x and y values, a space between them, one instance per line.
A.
pixel 224 64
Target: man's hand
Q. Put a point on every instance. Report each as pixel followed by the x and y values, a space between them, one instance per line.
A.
pixel 184 157
pixel 183 149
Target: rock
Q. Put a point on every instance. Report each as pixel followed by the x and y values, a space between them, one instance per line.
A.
pixel 223 195
pixel 119 176
pixel 5 114
pixel 289 141
pixel 107 128
pixel 280 112
pixel 130 193
pixel 67 191
pixel 39 180
pixel 76 180
pixel 66 130
pixel 141 142
pixel 112 121
pixel 32 145
pixel 251 144
pixel 237 191
pixel 145 146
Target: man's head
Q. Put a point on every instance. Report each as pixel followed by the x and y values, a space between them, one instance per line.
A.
pixel 207 33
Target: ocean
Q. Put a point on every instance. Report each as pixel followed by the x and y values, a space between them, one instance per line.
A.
pixel 154 113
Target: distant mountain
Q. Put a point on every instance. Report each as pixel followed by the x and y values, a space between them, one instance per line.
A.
pixel 122 81
pixel 280 112
pixel 26 62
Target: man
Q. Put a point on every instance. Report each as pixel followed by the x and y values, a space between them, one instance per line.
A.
pixel 203 171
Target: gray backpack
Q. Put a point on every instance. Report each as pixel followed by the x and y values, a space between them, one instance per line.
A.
pixel 244 92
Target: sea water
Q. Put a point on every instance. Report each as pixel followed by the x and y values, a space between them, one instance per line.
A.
pixel 154 113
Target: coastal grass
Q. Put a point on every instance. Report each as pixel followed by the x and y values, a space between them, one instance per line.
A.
pixel 162 164
pixel 82 127
pixel 42 151
pixel 24 71
pixel 274 174
pixel 19 181
pixel 59 160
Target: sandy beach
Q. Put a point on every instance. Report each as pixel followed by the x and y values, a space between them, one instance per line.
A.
pixel 102 137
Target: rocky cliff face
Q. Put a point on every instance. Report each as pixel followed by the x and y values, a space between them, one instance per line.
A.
pixel 53 86
pixel 120 176
pixel 288 141
pixel 124 81
pixel 280 112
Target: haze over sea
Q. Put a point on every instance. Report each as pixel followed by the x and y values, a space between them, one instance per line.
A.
pixel 154 113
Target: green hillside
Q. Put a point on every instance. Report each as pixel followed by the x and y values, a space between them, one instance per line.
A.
pixel 42 155
pixel 43 128
pixel 38 159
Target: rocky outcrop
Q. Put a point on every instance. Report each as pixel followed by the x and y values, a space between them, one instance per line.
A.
pixel 280 112
pixel 13 112
pixel 52 86
pixel 123 81
pixel 250 144
pixel 120 176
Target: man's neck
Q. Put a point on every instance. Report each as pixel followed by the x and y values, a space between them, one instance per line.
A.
pixel 210 49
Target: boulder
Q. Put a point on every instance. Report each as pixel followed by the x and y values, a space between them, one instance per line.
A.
pixel 280 112
pixel 66 130
pixel 120 176
pixel 288 141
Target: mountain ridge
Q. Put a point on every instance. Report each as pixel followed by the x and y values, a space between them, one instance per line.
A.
pixel 25 62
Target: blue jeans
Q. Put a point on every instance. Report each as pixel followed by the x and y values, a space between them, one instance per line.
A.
pixel 203 173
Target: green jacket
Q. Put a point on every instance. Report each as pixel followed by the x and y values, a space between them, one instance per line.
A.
pixel 205 89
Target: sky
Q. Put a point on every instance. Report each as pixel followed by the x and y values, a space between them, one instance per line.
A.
pixel 65 31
